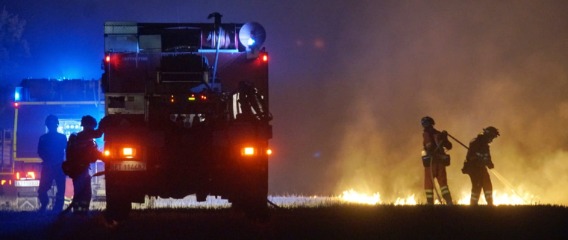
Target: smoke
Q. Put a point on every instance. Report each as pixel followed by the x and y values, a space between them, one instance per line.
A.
pixel 466 64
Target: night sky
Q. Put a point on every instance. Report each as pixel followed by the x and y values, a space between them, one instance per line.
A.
pixel 350 80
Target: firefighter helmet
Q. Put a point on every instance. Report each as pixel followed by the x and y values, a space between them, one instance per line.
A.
pixel 51 120
pixel 491 131
pixel 427 121
pixel 88 121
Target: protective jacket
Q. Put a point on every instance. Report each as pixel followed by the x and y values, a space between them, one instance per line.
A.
pixel 478 155
pixel 478 159
pixel 51 148
pixel 81 152
pixel 435 161
pixel 435 145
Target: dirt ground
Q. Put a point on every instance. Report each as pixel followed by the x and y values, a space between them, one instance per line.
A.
pixel 331 222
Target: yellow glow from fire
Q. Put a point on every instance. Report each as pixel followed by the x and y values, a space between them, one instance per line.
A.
pixel 501 199
pixel 351 196
pixel 410 200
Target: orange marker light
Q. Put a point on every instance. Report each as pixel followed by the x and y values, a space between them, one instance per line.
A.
pixel 128 152
pixel 248 151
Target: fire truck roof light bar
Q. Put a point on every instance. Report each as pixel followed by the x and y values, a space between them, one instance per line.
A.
pixel 220 50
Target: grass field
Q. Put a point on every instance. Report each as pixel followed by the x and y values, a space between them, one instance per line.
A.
pixel 324 222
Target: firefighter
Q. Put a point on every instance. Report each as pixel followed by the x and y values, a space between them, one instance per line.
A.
pixel 478 159
pixel 51 150
pixel 435 160
pixel 86 152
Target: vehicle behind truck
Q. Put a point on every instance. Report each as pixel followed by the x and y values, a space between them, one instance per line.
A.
pixel 186 112
pixel 34 100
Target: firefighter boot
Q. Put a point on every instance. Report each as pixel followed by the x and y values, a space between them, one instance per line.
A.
pixel 472 202
pixel 429 196
pixel 448 198
pixel 489 198
pixel 447 195
pixel 474 198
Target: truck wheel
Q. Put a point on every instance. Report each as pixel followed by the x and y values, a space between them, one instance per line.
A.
pixel 118 204
pixel 255 208
pixel 252 195
pixel 118 207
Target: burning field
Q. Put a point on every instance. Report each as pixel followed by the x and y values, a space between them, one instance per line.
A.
pixel 468 65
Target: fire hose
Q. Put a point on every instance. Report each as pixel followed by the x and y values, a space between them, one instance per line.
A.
pixel 500 177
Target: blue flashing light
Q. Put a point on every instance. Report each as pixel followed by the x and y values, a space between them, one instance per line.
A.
pixel 250 42
pixel 220 50
pixel 18 94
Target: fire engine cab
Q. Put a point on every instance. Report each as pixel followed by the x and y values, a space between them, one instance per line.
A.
pixel 186 112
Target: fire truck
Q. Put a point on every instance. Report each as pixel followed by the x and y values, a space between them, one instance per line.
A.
pixel 186 112
pixel 34 100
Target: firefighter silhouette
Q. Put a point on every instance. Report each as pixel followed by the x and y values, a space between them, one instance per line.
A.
pixel 51 150
pixel 435 160
pixel 478 159
pixel 83 151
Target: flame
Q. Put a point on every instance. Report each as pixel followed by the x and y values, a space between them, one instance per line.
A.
pixel 502 199
pixel 351 196
pixel 410 200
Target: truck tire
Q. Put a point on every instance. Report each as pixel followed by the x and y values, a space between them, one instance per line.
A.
pixel 118 204
pixel 118 208
pixel 251 196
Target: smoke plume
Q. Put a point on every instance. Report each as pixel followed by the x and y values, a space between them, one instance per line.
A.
pixel 468 65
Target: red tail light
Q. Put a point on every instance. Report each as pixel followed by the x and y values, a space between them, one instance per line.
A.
pixel 264 57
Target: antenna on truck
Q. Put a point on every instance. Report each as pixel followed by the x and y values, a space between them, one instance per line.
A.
pixel 217 27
